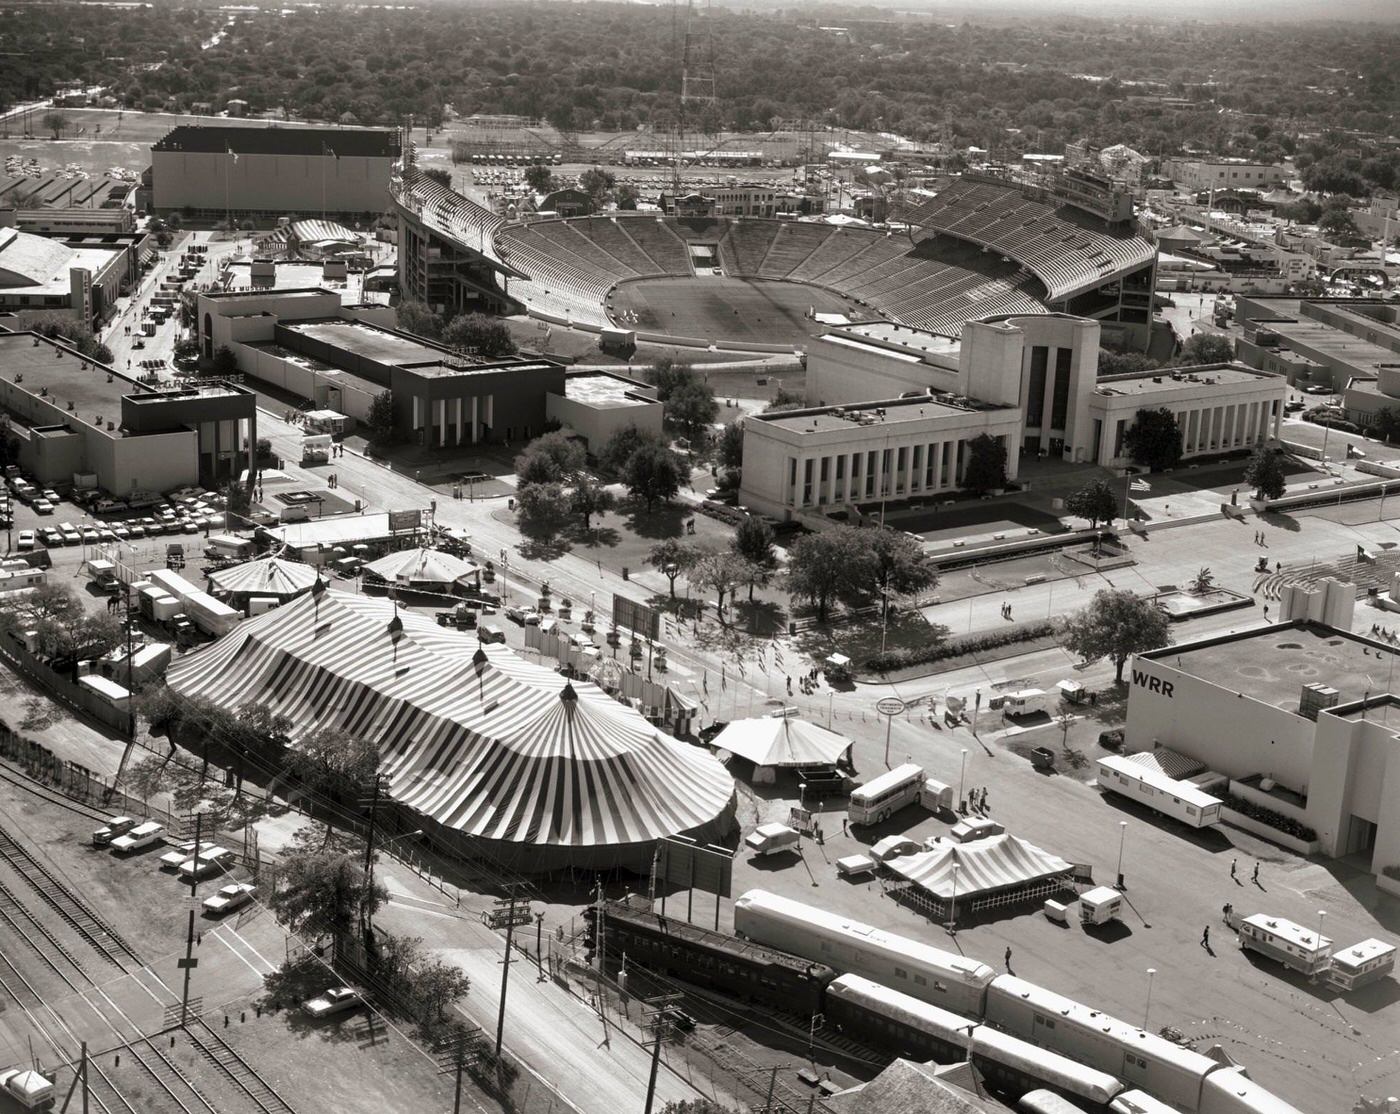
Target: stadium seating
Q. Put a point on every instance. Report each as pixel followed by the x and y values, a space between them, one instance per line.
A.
pixel 660 241
pixel 792 246
pixel 837 248
pixel 746 245
pixel 609 235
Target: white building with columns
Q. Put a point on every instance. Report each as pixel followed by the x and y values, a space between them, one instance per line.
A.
pixel 831 457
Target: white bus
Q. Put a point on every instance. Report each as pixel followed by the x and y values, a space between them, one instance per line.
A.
pixel 878 800
pixel 1180 800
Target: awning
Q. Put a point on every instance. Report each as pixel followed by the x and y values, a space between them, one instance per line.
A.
pixel 989 864
pixel 782 741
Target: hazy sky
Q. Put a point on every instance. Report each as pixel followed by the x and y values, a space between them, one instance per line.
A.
pixel 1223 10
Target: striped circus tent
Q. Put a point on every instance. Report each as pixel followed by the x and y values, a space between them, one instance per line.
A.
pixel 999 863
pixel 267 576
pixel 505 757
pixel 421 567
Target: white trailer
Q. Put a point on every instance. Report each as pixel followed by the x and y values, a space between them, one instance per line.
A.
pixel 1178 799
pixel 881 797
pixel 1289 943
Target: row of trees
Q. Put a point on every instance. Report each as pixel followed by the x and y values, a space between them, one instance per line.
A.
pixel 477 333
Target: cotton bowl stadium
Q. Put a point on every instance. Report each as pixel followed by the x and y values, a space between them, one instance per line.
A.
pixel 984 246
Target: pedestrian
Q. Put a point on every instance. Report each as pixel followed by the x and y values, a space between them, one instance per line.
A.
pixel 789 681
pixel 1278 566
pixel 1255 879
pixel 1205 937
pixel 1008 959
pixel 1266 613
pixel 1233 863
pixel 843 825
pixel 983 798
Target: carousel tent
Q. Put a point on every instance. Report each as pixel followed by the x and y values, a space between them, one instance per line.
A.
pixel 1000 863
pixel 267 576
pixel 782 741
pixel 503 756
pixel 423 568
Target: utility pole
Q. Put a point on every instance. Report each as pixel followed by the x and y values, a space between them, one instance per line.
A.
pixel 655 1010
pixel 80 1076
pixel 189 963
pixel 454 1057
pixel 365 914
pixel 507 905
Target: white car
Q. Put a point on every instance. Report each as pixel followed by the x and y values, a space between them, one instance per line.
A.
pixel 229 898
pixel 210 860
pixel 43 506
pixel 143 835
pixel 180 853
pixel 893 847
pixel 118 825
pixel 339 999
pixel 25 540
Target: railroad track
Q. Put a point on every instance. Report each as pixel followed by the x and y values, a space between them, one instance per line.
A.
pixel 217 1051
pixel 13 912
pixel 79 916
pixel 48 794
pixel 169 1077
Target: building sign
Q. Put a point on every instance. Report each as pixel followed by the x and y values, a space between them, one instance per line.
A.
pixel 636 617
pixel 405 520
pixel 1153 684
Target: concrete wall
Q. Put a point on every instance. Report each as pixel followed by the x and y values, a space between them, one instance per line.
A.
pixel 1231 732
pixel 597 424
pixel 1356 772
pixel 151 462
pixel 282 184
pixel 838 374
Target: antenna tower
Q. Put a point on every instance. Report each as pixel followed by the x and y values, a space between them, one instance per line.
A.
pixel 697 62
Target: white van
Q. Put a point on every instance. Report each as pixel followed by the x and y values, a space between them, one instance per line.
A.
pixel 879 799
pixel 770 839
pixel 490 632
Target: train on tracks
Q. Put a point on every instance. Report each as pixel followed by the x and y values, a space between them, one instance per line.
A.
pixel 910 998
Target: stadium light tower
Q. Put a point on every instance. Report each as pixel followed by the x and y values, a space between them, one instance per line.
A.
pixel 697 63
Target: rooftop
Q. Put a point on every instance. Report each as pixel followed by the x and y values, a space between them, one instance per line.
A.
pixel 1176 379
pixel 92 388
pixel 1274 663
pixel 367 341
pixel 604 391
pixel 380 143
pixel 38 265
pixel 829 419
pixel 1331 343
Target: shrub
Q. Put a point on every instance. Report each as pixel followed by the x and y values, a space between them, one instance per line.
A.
pixel 1276 820
pixel 963 644
pixel 1392 871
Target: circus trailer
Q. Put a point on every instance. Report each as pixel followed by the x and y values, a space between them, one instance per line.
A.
pixel 316 448
pixel 1100 905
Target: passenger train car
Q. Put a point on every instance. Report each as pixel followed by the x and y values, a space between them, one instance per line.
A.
pixel 924 972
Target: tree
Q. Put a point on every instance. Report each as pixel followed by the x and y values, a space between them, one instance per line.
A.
pixel 671 558
pixel 54 122
pixel 626 196
pixel 186 348
pixel 1265 473
pixel 333 763
pixel 1154 439
pixel 415 317
pixel 721 572
pixel 476 332
pixel 555 457
pixel 224 364
pixel 437 174
pixel 784 399
pixel 753 540
pixel 1094 501
pixel 653 475
pixel 598 184
pixel 543 507
pixel 539 178
pixel 380 419
pixel 618 450
pixel 1119 363
pixel 729 449
pixel 1206 348
pixel 254 733
pixel 692 407
pixel 324 893
pixel 1116 624
pixel 829 565
pixel 668 376
pixel 588 498
pixel 237 503
pixel 985 469
pixel 898 562
pixel 1338 222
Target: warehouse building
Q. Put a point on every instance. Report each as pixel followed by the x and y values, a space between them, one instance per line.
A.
pixel 73 417
pixel 79 275
pixel 1342 343
pixel 263 173
pixel 1296 715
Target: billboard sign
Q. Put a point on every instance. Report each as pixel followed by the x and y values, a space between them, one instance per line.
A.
pixel 637 617
pixel 405 520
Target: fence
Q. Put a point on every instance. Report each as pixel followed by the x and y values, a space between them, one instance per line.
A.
pixel 63 689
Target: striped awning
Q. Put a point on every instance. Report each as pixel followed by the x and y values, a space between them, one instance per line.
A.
pixel 782 741
pixel 472 736
pixel 422 566
pixel 268 576
pixel 983 865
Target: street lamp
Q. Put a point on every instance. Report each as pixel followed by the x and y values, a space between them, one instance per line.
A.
pixel 1321 918
pixel 1147 1009
pixel 952 925
pixel 1122 835
pixel 962 800
pixel 802 795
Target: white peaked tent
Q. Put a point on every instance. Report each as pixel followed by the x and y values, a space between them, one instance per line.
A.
pixel 267 576
pixel 423 568
pixel 1001 864
pixel 782 741
pixel 502 756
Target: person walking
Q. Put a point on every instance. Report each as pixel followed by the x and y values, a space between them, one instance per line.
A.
pixel 844 823
pixel 1205 937
pixel 1255 879
pixel 983 798
pixel 1233 864
pixel 1008 959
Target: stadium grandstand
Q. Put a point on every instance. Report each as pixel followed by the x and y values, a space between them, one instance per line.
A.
pixel 982 247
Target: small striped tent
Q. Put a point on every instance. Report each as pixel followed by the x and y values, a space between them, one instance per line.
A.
pixel 267 576
pixel 504 757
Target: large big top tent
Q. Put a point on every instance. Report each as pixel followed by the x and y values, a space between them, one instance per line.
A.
pixel 782 741
pixel 504 756
pixel 989 871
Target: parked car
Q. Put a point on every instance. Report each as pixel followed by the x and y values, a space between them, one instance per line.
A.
pixel 230 897
pixel 515 614
pixel 143 835
pixel 117 825
pixel 337 1000
pixel 210 860
pixel 178 854
pixel 43 506
pixel 25 540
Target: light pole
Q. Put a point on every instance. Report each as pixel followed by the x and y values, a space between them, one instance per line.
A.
pixel 1122 835
pixel 1147 1009
pixel 962 774
pixel 952 925
pixel 539 944
pixel 1321 919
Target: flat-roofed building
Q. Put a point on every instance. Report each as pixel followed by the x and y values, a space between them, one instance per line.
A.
pixel 78 275
pixel 71 415
pixel 276 171
pixel 598 404
pixel 1224 173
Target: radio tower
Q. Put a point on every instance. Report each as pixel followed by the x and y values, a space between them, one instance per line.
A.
pixel 697 58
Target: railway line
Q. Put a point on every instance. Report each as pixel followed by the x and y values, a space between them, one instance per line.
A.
pixel 48 794
pixel 179 1092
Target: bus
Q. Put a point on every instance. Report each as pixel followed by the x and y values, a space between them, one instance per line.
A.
pixel 877 800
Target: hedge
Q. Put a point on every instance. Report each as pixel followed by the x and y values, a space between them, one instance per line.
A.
pixel 1285 824
pixel 955 647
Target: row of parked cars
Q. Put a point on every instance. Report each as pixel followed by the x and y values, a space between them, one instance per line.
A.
pixel 124 835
